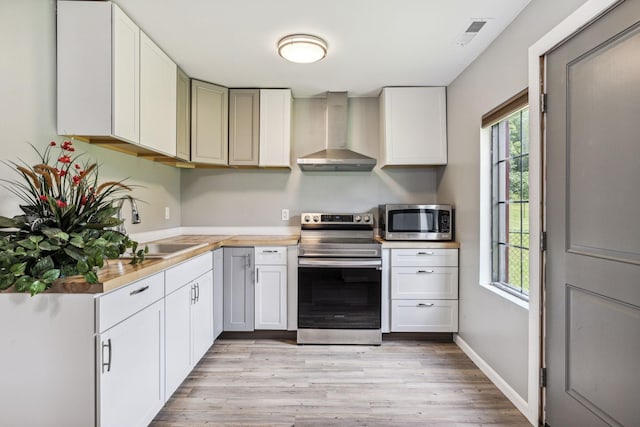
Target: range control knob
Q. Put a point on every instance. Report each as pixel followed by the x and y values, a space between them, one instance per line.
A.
pixel 358 218
pixel 367 218
pixel 316 218
pixel 307 218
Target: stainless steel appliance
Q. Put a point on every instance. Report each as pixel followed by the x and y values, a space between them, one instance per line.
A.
pixel 339 280
pixel 416 222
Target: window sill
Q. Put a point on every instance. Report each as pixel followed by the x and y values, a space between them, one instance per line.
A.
pixel 506 295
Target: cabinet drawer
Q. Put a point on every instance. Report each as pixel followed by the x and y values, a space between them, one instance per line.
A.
pixel 424 257
pixel 424 282
pixel 123 302
pixel 187 271
pixel 424 316
pixel 271 255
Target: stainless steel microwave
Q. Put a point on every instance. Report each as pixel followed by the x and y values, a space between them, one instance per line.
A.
pixel 416 222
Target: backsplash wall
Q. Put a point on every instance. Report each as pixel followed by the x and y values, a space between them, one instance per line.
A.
pixel 255 197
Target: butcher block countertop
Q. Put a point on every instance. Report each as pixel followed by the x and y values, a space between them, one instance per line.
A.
pixel 120 272
pixel 416 244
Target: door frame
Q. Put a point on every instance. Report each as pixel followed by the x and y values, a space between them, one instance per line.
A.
pixel 588 12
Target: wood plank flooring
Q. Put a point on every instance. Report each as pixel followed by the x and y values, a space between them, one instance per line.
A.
pixel 269 382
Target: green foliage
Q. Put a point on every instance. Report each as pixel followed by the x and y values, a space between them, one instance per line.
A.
pixel 64 228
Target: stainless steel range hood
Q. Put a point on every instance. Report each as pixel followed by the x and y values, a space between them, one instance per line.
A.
pixel 336 157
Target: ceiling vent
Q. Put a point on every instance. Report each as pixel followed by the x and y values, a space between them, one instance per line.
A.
pixel 473 29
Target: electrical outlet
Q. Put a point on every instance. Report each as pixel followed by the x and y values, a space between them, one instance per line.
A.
pixel 167 213
pixel 285 214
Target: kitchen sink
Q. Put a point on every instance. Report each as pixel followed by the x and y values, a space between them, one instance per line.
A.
pixel 166 250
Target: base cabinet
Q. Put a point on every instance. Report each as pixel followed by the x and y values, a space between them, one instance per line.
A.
pixel 424 290
pixel 130 384
pixel 218 292
pixel 239 291
pixel 189 318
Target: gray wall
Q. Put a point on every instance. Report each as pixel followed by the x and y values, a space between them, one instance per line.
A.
pixel 495 328
pixel 236 197
pixel 28 114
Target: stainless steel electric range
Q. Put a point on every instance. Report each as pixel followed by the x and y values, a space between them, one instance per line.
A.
pixel 339 280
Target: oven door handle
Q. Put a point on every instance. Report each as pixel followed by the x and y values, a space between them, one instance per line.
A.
pixel 338 263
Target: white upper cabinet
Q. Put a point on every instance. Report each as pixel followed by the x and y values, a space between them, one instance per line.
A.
pixel 413 126
pixel 98 66
pixel 114 82
pixel 158 98
pixel 275 128
pixel 209 123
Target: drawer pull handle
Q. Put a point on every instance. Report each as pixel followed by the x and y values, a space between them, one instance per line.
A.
pixel 425 253
pixel 425 305
pixel 269 252
pixel 107 364
pixel 424 271
pixel 139 291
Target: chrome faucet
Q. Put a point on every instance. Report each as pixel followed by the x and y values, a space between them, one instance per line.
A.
pixel 135 215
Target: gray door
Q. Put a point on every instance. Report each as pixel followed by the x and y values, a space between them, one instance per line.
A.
pixel 238 289
pixel 592 343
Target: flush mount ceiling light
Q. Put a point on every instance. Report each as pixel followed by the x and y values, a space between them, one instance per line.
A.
pixel 302 48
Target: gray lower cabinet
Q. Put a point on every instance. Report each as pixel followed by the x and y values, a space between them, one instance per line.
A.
pixel 239 289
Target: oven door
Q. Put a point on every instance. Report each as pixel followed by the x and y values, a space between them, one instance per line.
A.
pixel 339 293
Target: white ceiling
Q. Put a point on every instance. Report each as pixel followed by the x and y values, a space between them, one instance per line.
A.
pixel 372 43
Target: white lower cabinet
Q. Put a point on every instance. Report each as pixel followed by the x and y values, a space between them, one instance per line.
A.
pixel 218 293
pixel 189 318
pixel 424 315
pixel 424 290
pixel 130 364
pixel 271 288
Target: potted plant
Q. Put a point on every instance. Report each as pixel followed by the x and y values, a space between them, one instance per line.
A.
pixel 66 225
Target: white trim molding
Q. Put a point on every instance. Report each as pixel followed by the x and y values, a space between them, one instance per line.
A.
pixel 565 29
pixel 519 402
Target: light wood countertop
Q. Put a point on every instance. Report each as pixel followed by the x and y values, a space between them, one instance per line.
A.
pixel 119 272
pixel 416 244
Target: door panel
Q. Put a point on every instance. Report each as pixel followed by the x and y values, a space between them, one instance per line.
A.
pixel 592 311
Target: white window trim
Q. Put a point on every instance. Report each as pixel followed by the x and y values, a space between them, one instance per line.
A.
pixel 485 222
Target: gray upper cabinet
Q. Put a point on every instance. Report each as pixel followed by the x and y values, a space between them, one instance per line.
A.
pixel 183 112
pixel 244 127
pixel 209 123
pixel 238 289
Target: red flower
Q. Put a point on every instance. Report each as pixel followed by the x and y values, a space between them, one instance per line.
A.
pixel 52 143
pixel 63 172
pixel 66 145
pixel 83 200
pixel 43 198
pixel 76 180
pixel 65 159
pixel 77 166
pixel 61 203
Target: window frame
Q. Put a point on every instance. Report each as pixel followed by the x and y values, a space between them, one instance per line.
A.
pixel 515 104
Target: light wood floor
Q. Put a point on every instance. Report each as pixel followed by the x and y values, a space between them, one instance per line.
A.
pixel 266 382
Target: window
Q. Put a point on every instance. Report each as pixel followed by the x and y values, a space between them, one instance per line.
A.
pixel 510 203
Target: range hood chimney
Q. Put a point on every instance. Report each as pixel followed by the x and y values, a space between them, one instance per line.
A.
pixel 336 157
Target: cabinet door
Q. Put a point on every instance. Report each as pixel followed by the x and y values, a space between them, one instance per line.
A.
pixel 177 337
pixel 271 297
pixel 202 317
pixel 244 124
pixel 183 119
pixel 130 369
pixel 218 303
pixel 126 77
pixel 414 125
pixel 209 123
pixel 275 127
pixel 158 81
pixel 238 289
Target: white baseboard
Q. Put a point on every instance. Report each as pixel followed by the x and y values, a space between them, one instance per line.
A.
pixel 521 404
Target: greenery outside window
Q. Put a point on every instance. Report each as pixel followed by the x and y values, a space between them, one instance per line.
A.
pixel 510 203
